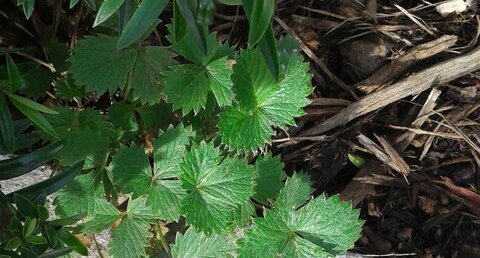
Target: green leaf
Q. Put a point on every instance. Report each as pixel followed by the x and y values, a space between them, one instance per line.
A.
pixel 36 240
pixel 72 241
pixel 107 9
pixel 37 81
pixel 131 236
pixel 7 132
pixel 122 116
pixel 132 172
pixel 73 127
pixel 97 64
pixel 58 252
pixel 13 244
pixel 13 74
pixel 15 167
pixel 262 101
pixel 259 14
pixel 25 206
pixel 219 73
pixel 147 74
pixel 324 227
pixel 29 227
pixel 31 104
pixel 52 184
pixel 28 6
pixel 197 244
pixel 73 3
pixel 297 192
pixel 197 32
pixel 231 2
pixel 141 21
pixel 268 47
pixel 357 161
pixel 186 87
pixel 214 188
pixel 103 216
pixel 38 119
pixel 269 178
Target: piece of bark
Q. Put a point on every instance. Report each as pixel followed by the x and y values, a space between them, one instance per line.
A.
pixel 438 74
pixel 393 69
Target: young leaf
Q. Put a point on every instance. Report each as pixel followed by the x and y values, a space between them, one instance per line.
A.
pixel 215 188
pixel 269 178
pixel 107 9
pixel 13 74
pixel 262 101
pixel 147 74
pixel 313 230
pixel 259 14
pixel 130 238
pixel 97 64
pixel 141 21
pixel 7 132
pixel 197 244
pixel 132 172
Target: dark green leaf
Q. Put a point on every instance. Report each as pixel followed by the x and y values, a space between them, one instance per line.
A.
pixel 60 252
pixel 269 180
pixel 198 34
pixel 37 118
pixel 36 240
pixel 259 14
pixel 141 21
pixel 230 2
pixel 107 9
pixel 13 74
pixel 52 184
pixel 268 47
pixel 70 240
pixel 6 126
pixel 29 227
pixel 22 141
pixel 15 167
pixel 31 104
pixel 27 253
pixel 13 243
pixel 25 206
pixel 73 3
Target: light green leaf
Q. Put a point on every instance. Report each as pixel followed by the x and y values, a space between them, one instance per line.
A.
pixel 215 188
pixel 131 236
pixel 259 14
pixel 262 101
pixel 324 227
pixel 73 3
pixel 219 73
pixel 142 20
pixel 132 172
pixel 194 244
pixel 97 64
pixel 297 191
pixel 147 74
pixel 107 9
pixel 357 161
pixel 186 87
pixel 269 178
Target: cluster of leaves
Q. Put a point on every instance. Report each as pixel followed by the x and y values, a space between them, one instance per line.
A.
pixel 169 147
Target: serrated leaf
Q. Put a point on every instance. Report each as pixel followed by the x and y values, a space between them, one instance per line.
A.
pixel 147 74
pixel 219 73
pixel 214 188
pixel 262 101
pixel 269 178
pixel 74 127
pixel 130 238
pixel 99 66
pixel 186 87
pixel 132 172
pixel 196 244
pixel 146 14
pixel 122 116
pixel 107 9
pixel 324 227
pixel 297 191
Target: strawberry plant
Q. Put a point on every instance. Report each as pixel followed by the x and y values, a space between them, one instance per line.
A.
pixel 164 159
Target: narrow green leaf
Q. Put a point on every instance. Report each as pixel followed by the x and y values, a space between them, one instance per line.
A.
pixel 13 74
pixel 31 104
pixel 59 252
pixel 186 9
pixel 230 2
pixel 15 167
pixel 52 184
pixel 7 132
pixel 141 21
pixel 357 161
pixel 29 227
pixel 37 118
pixel 107 9
pixel 13 243
pixel 36 240
pixel 28 6
pixel 25 206
pixel 91 4
pixel 72 241
pixel 259 14
pixel 73 3
pixel 268 47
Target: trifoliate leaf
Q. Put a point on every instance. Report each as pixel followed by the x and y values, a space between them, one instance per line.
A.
pixel 269 178
pixel 97 64
pixel 74 127
pixel 131 171
pixel 324 227
pixel 215 187
pixel 186 87
pixel 194 244
pixel 92 197
pixel 262 101
pixel 147 74
pixel 131 236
